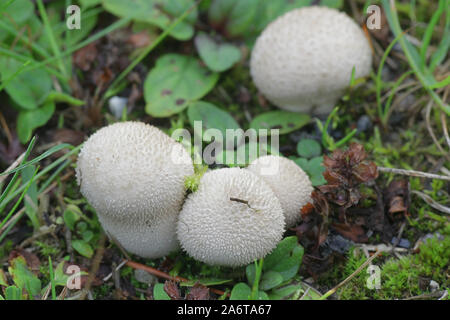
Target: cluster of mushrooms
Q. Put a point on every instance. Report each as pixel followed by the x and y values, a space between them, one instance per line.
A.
pixel 133 174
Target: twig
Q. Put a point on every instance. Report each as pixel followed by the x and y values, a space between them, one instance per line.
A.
pixel 430 130
pixel 350 277
pixel 21 211
pixel 164 275
pixel 12 166
pixel 116 269
pixel 431 202
pixel 414 173
pixel 437 294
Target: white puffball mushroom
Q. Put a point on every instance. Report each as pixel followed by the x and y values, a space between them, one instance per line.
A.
pixel 133 175
pixel 231 220
pixel 288 181
pixel 303 60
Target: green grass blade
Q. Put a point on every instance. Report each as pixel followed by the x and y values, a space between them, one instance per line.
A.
pixel 51 36
pixel 429 31
pixel 16 174
pixel 52 277
pixel 14 208
pixel 6 81
pixel 46 154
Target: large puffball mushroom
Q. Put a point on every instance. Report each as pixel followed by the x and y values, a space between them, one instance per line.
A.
pixel 289 183
pixel 231 220
pixel 303 60
pixel 133 175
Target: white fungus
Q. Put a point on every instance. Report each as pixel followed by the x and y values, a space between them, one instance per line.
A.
pixel 231 220
pixel 133 175
pixel 289 183
pixel 303 60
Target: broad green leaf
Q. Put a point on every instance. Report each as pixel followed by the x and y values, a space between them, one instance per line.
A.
pixel 71 216
pixel 87 235
pixel 270 280
pixel 285 259
pixel 282 251
pixel 332 3
pixel 235 17
pixel 284 292
pixel 18 11
pixel 28 88
pixel 269 10
pixel 250 272
pixel 262 295
pixel 211 117
pixel 243 155
pixel 28 120
pixel 216 55
pixel 284 121
pixel 240 291
pixel 174 82
pixel 23 277
pixel 83 248
pixel 316 170
pixel 13 293
pixel 159 293
pixel 159 13
pixel 308 148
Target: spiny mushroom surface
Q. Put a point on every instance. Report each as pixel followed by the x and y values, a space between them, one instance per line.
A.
pixel 288 181
pixel 303 60
pixel 133 175
pixel 231 220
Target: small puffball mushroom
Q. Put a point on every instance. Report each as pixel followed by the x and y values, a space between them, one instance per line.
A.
pixel 303 60
pixel 289 183
pixel 133 175
pixel 231 220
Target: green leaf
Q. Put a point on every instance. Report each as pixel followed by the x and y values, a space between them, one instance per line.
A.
pixel 269 10
pixel 87 235
pixel 285 259
pixel 270 280
pixel 18 10
pixel 216 55
pixel 28 88
pixel 235 17
pixel 240 291
pixel 71 216
pixel 283 120
pixel 174 82
pixel 308 148
pixel 316 170
pixel 13 293
pixel 284 292
pixel 83 248
pixel 212 118
pixel 250 272
pixel 23 277
pixel 28 120
pixel 159 293
pixel 89 3
pixel 158 13
pixel 280 252
pixel 243 155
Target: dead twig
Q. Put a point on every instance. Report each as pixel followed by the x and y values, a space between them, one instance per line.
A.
pixel 413 173
pixel 12 166
pixel 350 277
pixel 431 202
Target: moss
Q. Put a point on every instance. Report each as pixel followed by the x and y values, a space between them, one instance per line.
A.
pixel 400 278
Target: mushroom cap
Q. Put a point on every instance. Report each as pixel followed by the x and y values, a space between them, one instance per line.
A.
pixel 289 183
pixel 231 220
pixel 133 175
pixel 303 60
